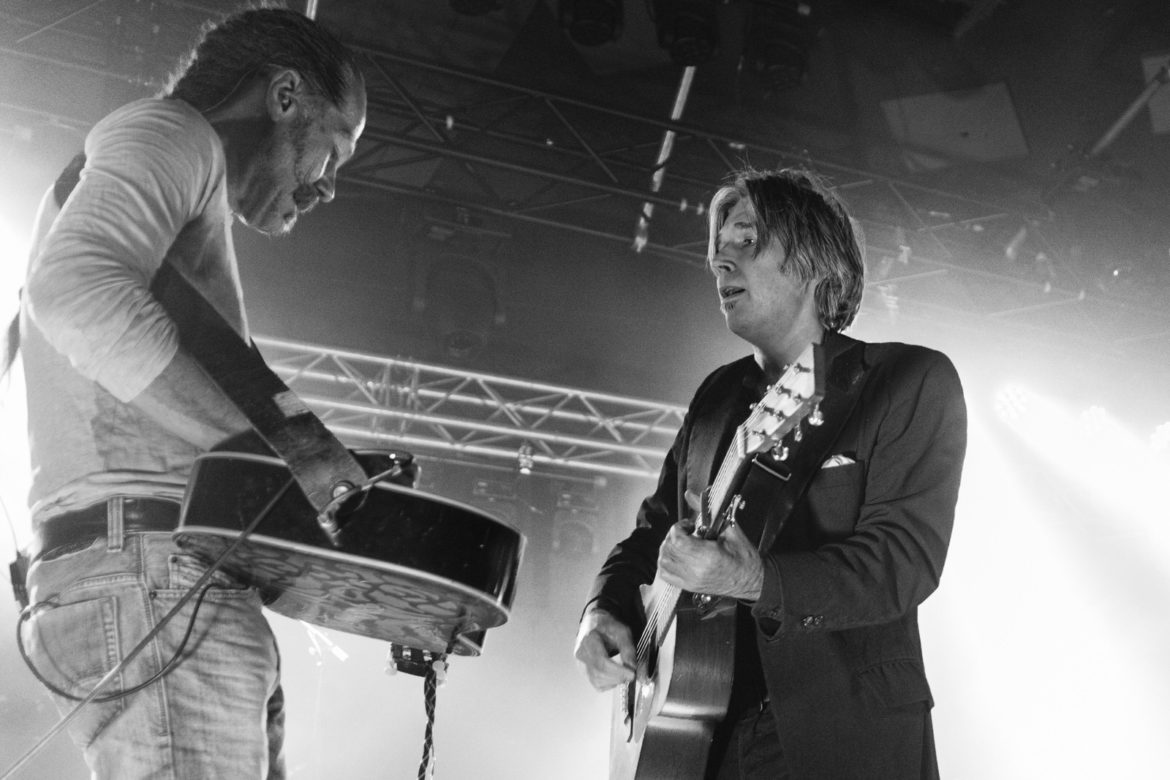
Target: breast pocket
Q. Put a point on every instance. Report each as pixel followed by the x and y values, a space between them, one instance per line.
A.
pixel 834 500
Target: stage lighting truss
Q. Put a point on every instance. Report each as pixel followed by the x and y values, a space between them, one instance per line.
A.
pixel 446 413
pixel 508 152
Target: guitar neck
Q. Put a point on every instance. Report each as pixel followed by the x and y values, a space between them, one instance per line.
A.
pixel 779 412
pixel 730 473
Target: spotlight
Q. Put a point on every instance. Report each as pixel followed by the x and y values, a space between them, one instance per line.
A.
pixel 591 22
pixel 1012 403
pixel 574 525
pixel 525 459
pixel 1011 250
pixel 1118 277
pixel 459 297
pixel 688 29
pixel 573 535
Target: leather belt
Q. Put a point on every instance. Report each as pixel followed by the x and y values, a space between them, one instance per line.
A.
pixel 78 530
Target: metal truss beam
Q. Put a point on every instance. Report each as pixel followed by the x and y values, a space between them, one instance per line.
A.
pixel 519 151
pixel 368 400
pixel 444 135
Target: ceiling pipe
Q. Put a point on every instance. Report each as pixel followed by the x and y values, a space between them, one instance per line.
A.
pixel 1155 83
pixel 642 230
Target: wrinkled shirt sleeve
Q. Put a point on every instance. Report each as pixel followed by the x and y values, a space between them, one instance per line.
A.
pixel 148 173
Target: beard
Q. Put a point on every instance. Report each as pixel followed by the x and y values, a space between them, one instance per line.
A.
pixel 273 194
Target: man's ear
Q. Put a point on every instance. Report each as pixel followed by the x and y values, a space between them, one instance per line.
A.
pixel 285 89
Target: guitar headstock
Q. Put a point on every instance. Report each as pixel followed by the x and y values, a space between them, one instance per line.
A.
pixel 794 397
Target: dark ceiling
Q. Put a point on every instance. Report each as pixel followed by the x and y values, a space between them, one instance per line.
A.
pixel 1009 162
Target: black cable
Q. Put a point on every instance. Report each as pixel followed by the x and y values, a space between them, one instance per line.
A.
pixel 138 648
pixel 430 683
pixel 436 672
pixel 163 672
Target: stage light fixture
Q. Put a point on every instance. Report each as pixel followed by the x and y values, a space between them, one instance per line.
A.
pixel 574 525
pixel 573 534
pixel 458 296
pixel 591 22
pixel 525 458
pixel 1013 402
pixel 1011 250
pixel 688 29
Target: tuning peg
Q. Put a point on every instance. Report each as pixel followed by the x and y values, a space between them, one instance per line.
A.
pixel 798 434
pixel 780 452
pixel 816 418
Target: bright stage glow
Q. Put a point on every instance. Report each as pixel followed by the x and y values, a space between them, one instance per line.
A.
pixel 1012 401
pixel 1047 639
pixel 14 467
pixel 13 253
pixel 1160 439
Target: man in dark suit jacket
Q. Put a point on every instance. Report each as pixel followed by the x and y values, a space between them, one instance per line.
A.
pixel 828 678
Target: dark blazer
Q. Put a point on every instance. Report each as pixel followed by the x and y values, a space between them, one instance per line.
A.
pixel 848 564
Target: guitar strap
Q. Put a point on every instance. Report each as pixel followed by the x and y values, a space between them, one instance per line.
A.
pixel 318 462
pixel 772 488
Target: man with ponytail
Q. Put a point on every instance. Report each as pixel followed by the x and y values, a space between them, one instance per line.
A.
pixel 252 128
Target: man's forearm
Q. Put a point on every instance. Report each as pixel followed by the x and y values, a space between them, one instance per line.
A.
pixel 184 400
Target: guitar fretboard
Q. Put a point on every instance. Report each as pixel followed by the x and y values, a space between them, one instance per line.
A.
pixel 781 409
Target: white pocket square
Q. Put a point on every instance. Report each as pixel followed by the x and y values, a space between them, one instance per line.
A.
pixel 837 460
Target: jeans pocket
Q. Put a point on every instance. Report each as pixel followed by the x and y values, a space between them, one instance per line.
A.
pixel 184 571
pixel 73 646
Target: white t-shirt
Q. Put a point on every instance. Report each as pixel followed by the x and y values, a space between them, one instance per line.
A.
pixel 154 187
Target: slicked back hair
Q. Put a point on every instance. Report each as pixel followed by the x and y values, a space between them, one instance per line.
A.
pixel 247 43
pixel 820 242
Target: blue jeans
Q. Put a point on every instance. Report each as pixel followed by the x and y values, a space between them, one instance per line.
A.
pixel 218 714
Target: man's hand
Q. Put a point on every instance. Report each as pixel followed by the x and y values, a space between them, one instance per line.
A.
pixel 726 566
pixel 605 650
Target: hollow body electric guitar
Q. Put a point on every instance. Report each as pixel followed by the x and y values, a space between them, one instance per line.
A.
pixel 664 720
pixel 405 566
pixel 335 537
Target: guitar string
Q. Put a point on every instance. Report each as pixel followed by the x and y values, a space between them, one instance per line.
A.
pixel 666 599
pixel 658 621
